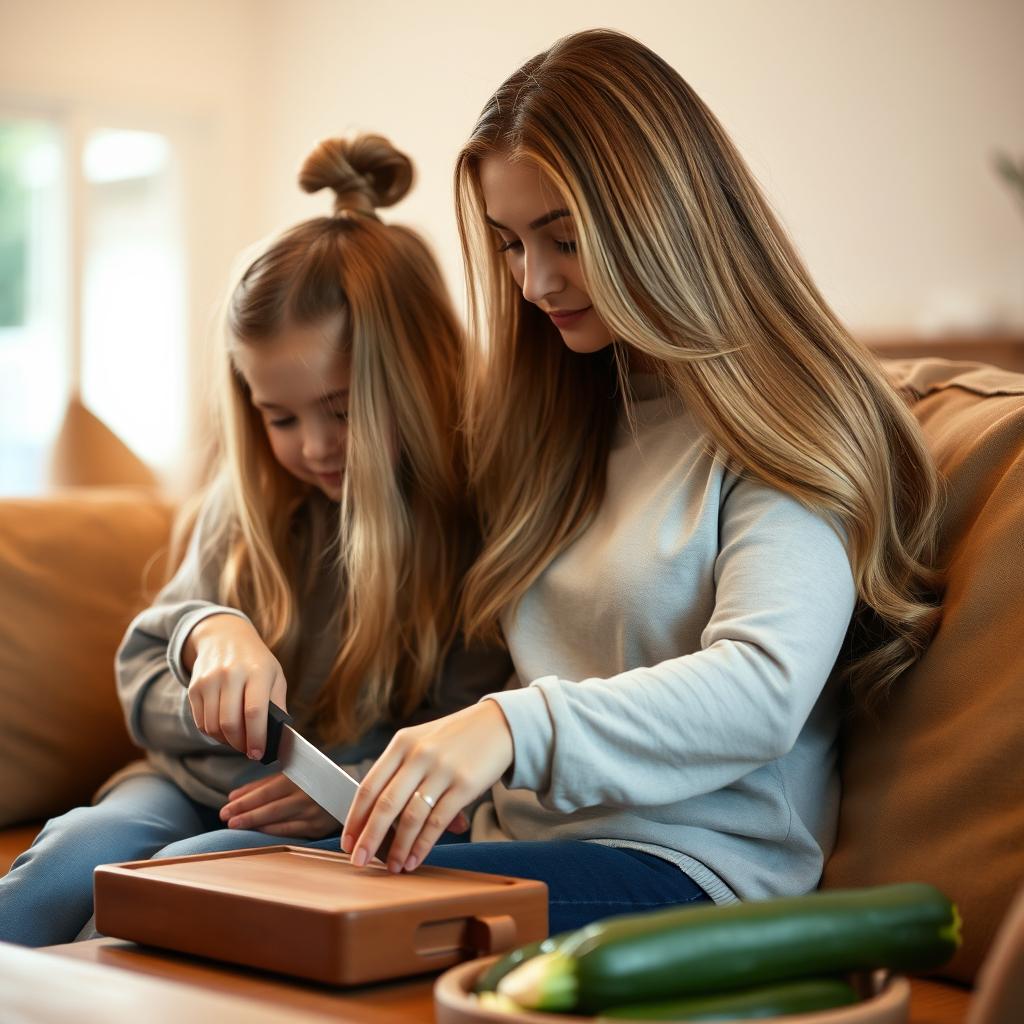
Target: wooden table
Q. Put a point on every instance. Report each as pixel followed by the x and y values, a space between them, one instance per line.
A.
pixel 89 986
pixel 279 998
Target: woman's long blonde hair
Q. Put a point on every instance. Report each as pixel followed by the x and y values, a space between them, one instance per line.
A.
pixel 398 540
pixel 686 263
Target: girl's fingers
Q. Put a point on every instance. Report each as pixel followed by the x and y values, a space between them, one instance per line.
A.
pixel 232 694
pixel 287 808
pixel 248 787
pixel 279 691
pixel 263 686
pixel 256 794
pixel 195 702
pixel 212 715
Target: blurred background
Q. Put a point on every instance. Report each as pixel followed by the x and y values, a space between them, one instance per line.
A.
pixel 145 144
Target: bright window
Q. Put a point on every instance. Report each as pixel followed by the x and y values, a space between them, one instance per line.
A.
pixel 133 296
pixel 93 212
pixel 34 356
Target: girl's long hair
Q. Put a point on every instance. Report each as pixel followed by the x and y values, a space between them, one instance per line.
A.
pixel 686 263
pixel 398 540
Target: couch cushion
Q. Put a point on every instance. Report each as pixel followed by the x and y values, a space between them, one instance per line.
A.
pixel 932 789
pixel 72 572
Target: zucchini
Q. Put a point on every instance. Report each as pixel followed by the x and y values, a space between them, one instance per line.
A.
pixel 488 981
pixel 787 997
pixel 695 950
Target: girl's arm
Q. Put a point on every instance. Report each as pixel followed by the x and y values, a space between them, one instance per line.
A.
pixel 152 679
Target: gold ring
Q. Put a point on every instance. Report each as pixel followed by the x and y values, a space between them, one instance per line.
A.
pixel 428 800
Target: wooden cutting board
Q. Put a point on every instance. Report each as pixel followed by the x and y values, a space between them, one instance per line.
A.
pixel 313 914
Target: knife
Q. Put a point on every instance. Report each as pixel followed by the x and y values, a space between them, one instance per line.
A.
pixel 324 782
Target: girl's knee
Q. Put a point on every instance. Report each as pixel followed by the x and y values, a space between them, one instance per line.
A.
pixel 218 841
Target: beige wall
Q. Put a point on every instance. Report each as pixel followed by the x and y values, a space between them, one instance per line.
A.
pixel 181 67
pixel 871 125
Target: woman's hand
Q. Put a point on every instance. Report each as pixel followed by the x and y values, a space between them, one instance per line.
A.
pixel 424 778
pixel 234 678
pixel 277 806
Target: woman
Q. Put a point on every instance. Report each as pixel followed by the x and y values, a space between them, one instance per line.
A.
pixel 705 513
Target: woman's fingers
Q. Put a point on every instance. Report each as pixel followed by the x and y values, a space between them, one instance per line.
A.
pixel 370 789
pixel 410 847
pixel 449 762
pixel 392 802
pixel 459 824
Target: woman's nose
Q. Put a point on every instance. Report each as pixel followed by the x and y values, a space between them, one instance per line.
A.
pixel 541 279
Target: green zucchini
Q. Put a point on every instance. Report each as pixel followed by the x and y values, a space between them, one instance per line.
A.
pixel 488 981
pixel 695 950
pixel 788 997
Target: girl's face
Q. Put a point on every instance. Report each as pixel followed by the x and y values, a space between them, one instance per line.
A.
pixel 536 234
pixel 299 382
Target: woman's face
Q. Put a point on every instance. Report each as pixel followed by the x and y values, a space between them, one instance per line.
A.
pixel 299 382
pixel 538 238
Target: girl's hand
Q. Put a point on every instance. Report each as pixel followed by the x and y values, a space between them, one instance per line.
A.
pixel 423 779
pixel 277 806
pixel 234 679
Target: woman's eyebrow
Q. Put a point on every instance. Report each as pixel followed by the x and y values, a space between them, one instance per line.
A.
pixel 547 218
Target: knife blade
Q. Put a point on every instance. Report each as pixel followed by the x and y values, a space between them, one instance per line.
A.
pixel 324 782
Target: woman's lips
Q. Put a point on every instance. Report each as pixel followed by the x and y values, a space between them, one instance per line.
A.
pixel 568 317
pixel 331 479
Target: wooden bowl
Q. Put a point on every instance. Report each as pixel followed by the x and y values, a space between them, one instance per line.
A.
pixel 455 1004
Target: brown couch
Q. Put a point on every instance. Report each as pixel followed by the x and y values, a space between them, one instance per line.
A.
pixel 931 787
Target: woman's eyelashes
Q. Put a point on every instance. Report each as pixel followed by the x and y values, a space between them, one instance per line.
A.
pixel 566 247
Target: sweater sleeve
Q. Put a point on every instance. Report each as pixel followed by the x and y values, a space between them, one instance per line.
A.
pixel 651 736
pixel 152 683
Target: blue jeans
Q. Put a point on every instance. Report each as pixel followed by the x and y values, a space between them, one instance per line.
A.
pixel 585 881
pixel 46 897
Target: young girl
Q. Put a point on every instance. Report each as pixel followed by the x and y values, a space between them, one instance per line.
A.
pixel 705 512
pixel 325 564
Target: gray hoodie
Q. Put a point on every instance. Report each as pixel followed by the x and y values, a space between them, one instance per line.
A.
pixel 152 681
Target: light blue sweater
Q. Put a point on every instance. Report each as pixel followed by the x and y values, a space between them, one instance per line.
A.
pixel 674 687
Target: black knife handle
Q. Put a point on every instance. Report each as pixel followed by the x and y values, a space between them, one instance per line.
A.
pixel 276 717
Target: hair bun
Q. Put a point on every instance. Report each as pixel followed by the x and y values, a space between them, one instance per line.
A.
pixel 365 172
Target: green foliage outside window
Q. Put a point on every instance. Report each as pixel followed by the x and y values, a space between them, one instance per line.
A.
pixel 17 139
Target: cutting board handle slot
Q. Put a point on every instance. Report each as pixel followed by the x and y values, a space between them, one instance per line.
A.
pixel 492 934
